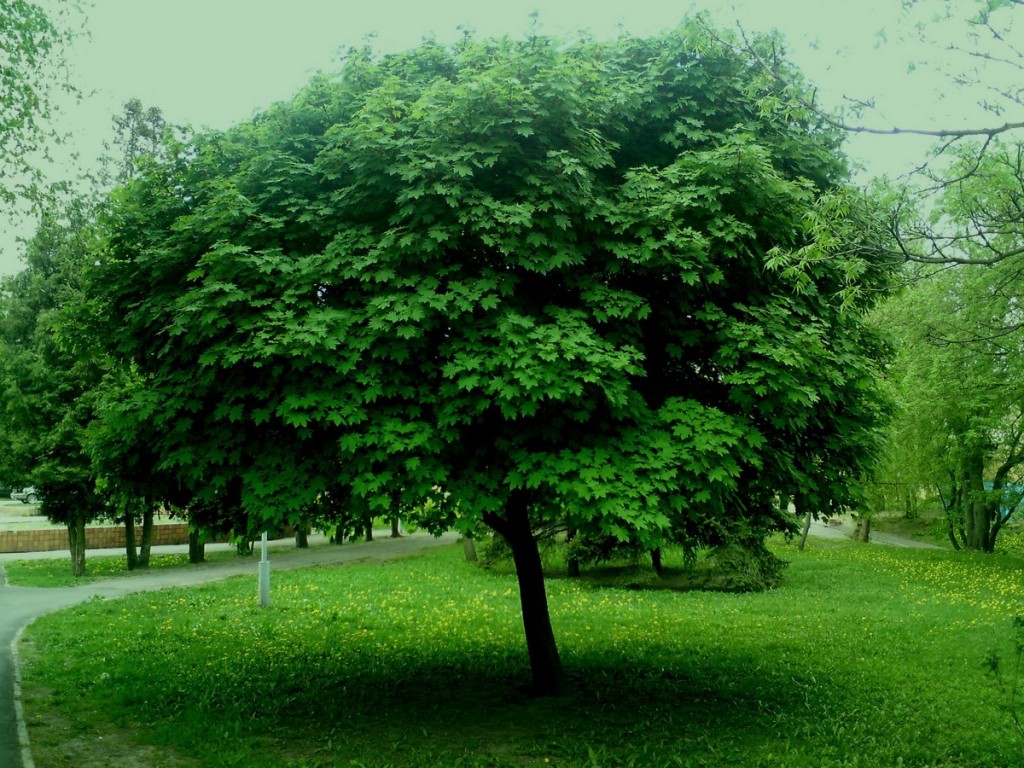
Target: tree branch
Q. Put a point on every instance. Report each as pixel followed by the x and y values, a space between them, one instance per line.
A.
pixel 945 133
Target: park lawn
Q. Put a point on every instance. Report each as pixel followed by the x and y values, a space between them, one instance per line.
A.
pixel 866 656
pixel 56 572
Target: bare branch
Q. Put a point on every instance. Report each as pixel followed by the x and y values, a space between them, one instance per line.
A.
pixel 808 103
pixel 988 56
pixel 940 133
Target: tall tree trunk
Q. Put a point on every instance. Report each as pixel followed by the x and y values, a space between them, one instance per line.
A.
pixel 976 505
pixel 863 530
pixel 572 564
pixel 954 513
pixel 951 532
pixel 656 560
pixel 196 546
pixel 302 535
pixel 469 548
pixel 129 541
pixel 368 527
pixel 1000 520
pixel 989 523
pixel 514 526
pixel 807 523
pixel 396 533
pixel 76 543
pixel 146 545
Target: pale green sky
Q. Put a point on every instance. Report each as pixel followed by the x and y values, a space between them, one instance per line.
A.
pixel 216 62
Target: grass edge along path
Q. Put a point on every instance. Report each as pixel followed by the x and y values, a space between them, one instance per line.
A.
pixel 865 657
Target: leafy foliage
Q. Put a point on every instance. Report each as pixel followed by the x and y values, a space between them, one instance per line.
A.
pixel 958 371
pixel 957 382
pixel 50 375
pixel 553 252
pixel 541 278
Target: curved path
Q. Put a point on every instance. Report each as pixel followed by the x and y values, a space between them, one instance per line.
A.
pixel 845 531
pixel 20 605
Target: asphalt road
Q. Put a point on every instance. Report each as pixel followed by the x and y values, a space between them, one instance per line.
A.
pixel 20 605
pixel 845 531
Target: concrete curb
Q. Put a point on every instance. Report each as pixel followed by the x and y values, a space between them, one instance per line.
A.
pixel 19 710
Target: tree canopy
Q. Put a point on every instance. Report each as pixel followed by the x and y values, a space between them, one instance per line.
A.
pixel 554 282
pixel 50 373
pixel 56 378
pixel 959 431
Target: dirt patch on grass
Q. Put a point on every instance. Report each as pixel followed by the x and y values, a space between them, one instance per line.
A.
pixel 58 741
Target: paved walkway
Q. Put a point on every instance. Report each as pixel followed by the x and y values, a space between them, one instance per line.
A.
pixel 20 605
pixel 845 531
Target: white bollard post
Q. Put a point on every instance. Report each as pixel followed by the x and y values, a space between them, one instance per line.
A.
pixel 264 575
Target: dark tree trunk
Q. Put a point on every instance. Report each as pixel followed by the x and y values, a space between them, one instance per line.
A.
pixel 572 564
pixel 805 529
pixel 910 505
pixel 368 528
pixel 1000 521
pixel 977 508
pixel 146 545
pixel 395 532
pixel 863 530
pixel 656 560
pixel 76 543
pixel 129 541
pixel 196 547
pixel 469 548
pixel 951 532
pixel 514 526
pixel 979 512
pixel 302 535
pixel 997 518
pixel 954 513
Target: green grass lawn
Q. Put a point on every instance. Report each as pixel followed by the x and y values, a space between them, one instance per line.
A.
pixel 56 572
pixel 867 656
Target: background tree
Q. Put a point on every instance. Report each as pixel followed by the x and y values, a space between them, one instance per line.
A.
pixel 32 42
pixel 127 470
pixel 49 376
pixel 551 282
pixel 58 377
pixel 962 204
pixel 138 134
pixel 959 371
pixel 967 49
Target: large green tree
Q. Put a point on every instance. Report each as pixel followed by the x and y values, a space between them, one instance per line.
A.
pixel 591 284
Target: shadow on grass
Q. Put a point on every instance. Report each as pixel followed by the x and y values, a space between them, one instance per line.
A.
pixel 457 713
pixel 420 663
